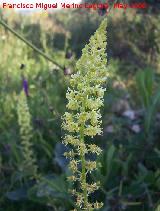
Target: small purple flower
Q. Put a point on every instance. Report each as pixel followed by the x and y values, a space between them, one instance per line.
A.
pixel 25 86
pixel 67 71
pixel 69 55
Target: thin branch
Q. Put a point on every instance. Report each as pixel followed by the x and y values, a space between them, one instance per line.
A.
pixel 112 6
pixel 29 43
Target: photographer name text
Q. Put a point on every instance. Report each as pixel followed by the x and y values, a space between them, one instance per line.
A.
pixel 46 6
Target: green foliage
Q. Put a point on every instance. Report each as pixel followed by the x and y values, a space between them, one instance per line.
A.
pixel 158 208
pixel 149 97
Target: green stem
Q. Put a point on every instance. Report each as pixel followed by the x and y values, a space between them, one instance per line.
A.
pixel 41 53
pixel 83 161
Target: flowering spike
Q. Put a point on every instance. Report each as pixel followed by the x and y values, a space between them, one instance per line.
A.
pixel 85 98
pixel 24 120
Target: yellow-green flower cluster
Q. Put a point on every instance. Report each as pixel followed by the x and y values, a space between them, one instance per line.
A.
pixel 24 119
pixel 83 119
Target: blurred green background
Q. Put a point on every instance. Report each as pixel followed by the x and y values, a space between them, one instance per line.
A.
pixel 130 172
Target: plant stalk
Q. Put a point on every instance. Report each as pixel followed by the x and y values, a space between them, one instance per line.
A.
pixel 83 162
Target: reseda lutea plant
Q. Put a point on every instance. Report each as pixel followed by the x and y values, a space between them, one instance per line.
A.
pixel 85 97
pixel 28 166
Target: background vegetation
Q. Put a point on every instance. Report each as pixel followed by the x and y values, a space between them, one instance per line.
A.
pixel 130 164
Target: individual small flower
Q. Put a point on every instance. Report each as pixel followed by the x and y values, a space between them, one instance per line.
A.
pixel 82 147
pixel 93 104
pixel 94 149
pixel 69 55
pixel 72 178
pixel 95 118
pixel 80 200
pixel 82 117
pixel 73 165
pixel 71 154
pixel 91 187
pixel 69 139
pixel 69 123
pixel 67 71
pixel 92 130
pixel 73 105
pixel 97 205
pixel 91 165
